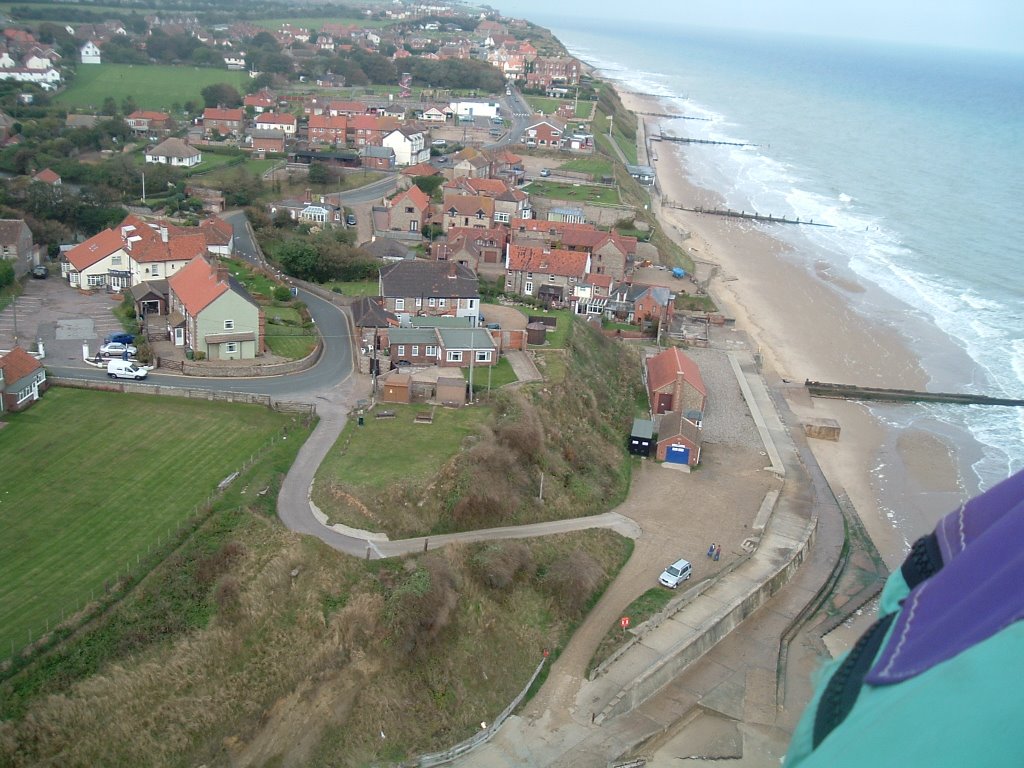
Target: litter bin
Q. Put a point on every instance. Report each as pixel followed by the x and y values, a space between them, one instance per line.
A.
pixel 360 420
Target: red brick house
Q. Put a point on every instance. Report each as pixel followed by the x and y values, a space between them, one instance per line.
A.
pixel 550 275
pixel 679 439
pixel 22 380
pixel 546 132
pixel 223 121
pixel 267 141
pixel 142 121
pixel 369 130
pixel 674 383
pixel 324 129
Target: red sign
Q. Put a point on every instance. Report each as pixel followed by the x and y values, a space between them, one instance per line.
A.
pixel 624 622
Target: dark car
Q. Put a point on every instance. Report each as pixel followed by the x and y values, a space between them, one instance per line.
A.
pixel 119 338
pixel 41 272
pixel 350 219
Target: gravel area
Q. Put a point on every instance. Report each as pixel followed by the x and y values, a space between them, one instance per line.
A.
pixel 727 421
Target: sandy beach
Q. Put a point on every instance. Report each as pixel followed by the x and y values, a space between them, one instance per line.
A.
pixel 900 482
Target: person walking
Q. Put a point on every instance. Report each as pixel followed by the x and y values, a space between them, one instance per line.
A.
pixel 718 552
pixel 711 549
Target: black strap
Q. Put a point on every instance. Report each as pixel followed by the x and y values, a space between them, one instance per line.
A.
pixel 923 561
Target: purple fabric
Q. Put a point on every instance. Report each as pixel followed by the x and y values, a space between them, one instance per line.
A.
pixel 977 593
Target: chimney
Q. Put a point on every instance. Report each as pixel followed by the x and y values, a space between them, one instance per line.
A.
pixel 163 234
pixel 451 269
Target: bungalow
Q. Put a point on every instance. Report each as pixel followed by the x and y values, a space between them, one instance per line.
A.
pixel 443 347
pixel 550 275
pixel 674 383
pixel 430 288
pixel 260 102
pixel 22 380
pixel 174 151
pixel 346 108
pixel 48 176
pixel 212 314
pixel 434 115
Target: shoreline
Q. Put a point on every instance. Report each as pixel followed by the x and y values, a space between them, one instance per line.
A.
pixel 900 481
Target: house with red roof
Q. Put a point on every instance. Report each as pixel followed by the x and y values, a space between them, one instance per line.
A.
pixel 48 176
pixel 346 108
pixel 146 122
pixel 674 383
pixel 612 254
pixel 547 132
pixel 220 236
pixel 408 211
pixel 550 275
pixel 277 121
pixel 369 130
pixel 483 250
pixel 263 101
pixel 99 262
pixel 22 380
pixel 679 440
pixel 223 121
pixel 324 129
pixel 212 314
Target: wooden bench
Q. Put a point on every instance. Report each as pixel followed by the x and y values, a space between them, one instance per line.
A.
pixel 384 415
pixel 424 417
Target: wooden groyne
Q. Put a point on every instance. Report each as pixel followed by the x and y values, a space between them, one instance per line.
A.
pixel 751 216
pixel 853 392
pixel 686 140
pixel 674 117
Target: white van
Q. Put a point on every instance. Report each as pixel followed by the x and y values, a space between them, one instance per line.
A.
pixel 122 369
pixel 675 574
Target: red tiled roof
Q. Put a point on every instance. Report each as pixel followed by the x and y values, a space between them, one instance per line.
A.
pixel 326 122
pixel 213 113
pixel 469 205
pixel 593 239
pixel 414 195
pixel 353 107
pixel 141 114
pixel 275 118
pixel 47 175
pixel 602 281
pixel 95 249
pixel 196 285
pixel 663 367
pixel 421 169
pixel 17 364
pixel 522 258
pixel 217 231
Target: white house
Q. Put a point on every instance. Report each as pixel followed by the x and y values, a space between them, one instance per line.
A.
pixel 235 61
pixel 174 152
pixel 434 115
pixel 90 53
pixel 486 109
pixel 48 79
pixel 409 145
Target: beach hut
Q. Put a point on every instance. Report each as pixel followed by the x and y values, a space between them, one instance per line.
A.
pixel 641 437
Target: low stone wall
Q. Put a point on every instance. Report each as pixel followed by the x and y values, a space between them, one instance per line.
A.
pixel 256 369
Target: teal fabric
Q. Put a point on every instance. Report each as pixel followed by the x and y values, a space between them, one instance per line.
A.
pixel 964 712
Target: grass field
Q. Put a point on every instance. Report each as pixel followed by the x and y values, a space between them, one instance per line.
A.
pixel 227 174
pixel 574 193
pixel 91 479
pixel 152 87
pixel 357 288
pixel 285 334
pixel 596 166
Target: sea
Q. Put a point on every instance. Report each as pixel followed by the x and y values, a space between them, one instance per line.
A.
pixel 912 154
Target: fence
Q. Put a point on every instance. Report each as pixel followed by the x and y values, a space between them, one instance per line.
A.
pixel 102 598
pixel 484 735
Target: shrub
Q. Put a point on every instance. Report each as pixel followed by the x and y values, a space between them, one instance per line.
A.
pixel 498 565
pixel 282 293
pixel 421 606
pixel 574 580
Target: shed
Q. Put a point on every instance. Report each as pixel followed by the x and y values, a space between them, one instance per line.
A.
pixel 451 390
pixel 641 437
pixel 396 388
pixel 536 333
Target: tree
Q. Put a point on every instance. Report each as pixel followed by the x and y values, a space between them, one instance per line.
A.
pixel 109 106
pixel 318 174
pixel 298 258
pixel 428 184
pixel 221 94
pixel 261 81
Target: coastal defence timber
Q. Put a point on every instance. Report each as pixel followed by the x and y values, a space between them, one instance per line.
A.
pixel 688 140
pixel 853 392
pixel 673 117
pixel 767 218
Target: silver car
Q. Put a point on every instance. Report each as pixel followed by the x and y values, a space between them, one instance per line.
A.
pixel 117 349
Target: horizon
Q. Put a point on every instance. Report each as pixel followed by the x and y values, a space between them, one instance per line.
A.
pixel 995 26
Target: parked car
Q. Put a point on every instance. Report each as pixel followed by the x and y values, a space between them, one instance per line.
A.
pixel 439 143
pixel 40 271
pixel 117 349
pixel 675 574
pixel 350 219
pixel 122 369
pixel 545 172
pixel 121 338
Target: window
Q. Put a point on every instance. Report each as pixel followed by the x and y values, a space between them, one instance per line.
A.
pixel 528 288
pixel 472 303
pixel 501 217
pixel 431 351
pixel 431 302
pixel 483 355
pixel 529 275
pixel 115 259
pixel 414 226
pixel 401 350
pixel 399 304
pixel 454 356
pixel 442 303
pixel 155 270
pixel 409 209
pixel 551 278
pixel 415 350
pixel 95 281
pixel 419 303
pixel 231 348
pixel 229 325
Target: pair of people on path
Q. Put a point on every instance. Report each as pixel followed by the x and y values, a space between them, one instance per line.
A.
pixel 714 551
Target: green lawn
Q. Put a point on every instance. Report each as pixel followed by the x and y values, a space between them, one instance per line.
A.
pixel 92 479
pixel 285 334
pixel 545 104
pixel 496 376
pixel 356 288
pixel 596 166
pixel 581 193
pixel 555 338
pixel 152 87
pixel 212 162
pixel 226 174
pixel 386 451
pixel 255 283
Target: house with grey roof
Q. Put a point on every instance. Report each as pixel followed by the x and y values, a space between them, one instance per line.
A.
pixel 443 347
pixel 430 288
pixel 174 151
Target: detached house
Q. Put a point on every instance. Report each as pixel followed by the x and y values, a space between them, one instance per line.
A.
pixel 22 380
pixel 674 383
pixel 99 262
pixel 145 122
pixel 408 211
pixel 475 211
pixel 430 288
pixel 409 145
pixel 547 132
pixel 174 151
pixel 550 275
pixel 640 304
pixel 443 347
pixel 90 53
pixel 212 314
pixel 223 121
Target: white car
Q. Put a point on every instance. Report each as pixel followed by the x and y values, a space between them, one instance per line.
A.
pixel 117 349
pixel 675 574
